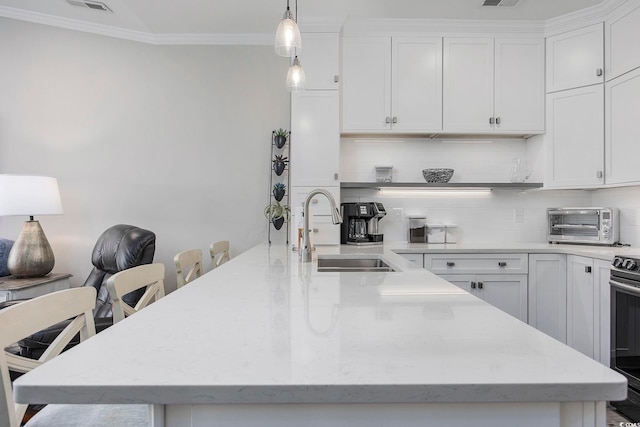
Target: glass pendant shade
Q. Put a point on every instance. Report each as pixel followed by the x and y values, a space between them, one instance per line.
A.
pixel 296 79
pixel 288 40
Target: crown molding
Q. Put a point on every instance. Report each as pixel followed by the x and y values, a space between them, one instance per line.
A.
pixel 138 36
pixel 443 27
pixel 582 18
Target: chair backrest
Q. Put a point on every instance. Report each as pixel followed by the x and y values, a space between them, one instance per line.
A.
pixel 31 316
pixel 118 248
pixel 188 266
pixel 219 253
pixel 149 276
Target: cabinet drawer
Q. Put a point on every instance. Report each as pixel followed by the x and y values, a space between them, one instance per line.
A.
pixel 417 259
pixel 324 231
pixel 476 263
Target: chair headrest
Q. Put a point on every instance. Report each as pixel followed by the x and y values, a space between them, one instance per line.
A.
pixel 121 247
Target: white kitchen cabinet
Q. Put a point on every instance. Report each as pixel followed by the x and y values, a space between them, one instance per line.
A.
pixel 583 306
pixel 508 292
pixel 320 60
pixel 322 230
pixel 417 259
pixel 602 271
pixel 575 138
pixel 548 294
pixel 622 32
pixel 575 58
pixel 493 85
pixel 622 129
pixel 499 279
pixel 315 139
pixel 392 84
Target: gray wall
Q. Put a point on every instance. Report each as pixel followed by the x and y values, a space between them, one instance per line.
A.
pixel 174 139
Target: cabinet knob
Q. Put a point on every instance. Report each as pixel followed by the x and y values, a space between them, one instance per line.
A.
pixel 450 263
pixel 387 119
pixel 502 264
pixel 497 120
pixel 336 79
pixel 473 285
pixel 395 119
pixel 599 174
pixel 480 285
pixel 599 72
pixel 335 176
pixel 587 269
pixel 315 230
pixel 491 120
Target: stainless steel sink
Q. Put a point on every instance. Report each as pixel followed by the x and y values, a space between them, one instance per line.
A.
pixel 329 263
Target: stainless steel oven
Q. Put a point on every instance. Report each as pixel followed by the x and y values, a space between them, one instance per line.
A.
pixel 625 330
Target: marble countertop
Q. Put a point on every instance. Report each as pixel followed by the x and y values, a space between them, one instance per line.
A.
pixel 592 251
pixel 264 328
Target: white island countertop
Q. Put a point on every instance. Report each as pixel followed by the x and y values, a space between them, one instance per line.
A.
pixel 264 328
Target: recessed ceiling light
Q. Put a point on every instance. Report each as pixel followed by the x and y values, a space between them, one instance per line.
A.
pixel 508 3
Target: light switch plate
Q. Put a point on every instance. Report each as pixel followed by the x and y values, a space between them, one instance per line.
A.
pixel 396 215
pixel 518 216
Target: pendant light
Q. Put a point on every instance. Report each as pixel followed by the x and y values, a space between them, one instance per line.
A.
pixel 288 40
pixel 296 79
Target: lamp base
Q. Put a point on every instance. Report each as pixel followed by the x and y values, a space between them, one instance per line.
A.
pixel 31 254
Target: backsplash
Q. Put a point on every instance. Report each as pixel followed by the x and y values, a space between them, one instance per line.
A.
pixel 480 218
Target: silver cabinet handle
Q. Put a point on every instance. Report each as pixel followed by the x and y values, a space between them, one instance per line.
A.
pixel 599 174
pixel 315 230
pixel 336 79
pixel 480 285
pixel 395 119
pixel 587 269
pixel 473 285
pixel 599 72
pixel 491 120
pixel 450 263
pixel 387 119
pixel 497 120
pixel 502 264
pixel 335 176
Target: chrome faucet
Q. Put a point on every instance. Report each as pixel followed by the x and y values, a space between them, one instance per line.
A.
pixel 307 249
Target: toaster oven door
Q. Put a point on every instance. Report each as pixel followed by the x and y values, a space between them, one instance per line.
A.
pixel 573 225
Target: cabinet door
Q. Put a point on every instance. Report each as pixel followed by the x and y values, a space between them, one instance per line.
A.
pixel 468 84
pixel 463 281
pixel 315 139
pixel 622 32
pixel 575 58
pixel 519 85
pixel 366 84
pixel 575 138
pixel 320 59
pixel 548 294
pixel 417 259
pixel 602 271
pixel 622 129
pixel 416 88
pixel 582 306
pixel 506 292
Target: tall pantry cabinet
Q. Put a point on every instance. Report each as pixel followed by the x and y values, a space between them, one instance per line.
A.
pixel 315 128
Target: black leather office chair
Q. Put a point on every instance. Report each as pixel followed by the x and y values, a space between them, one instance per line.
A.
pixel 120 247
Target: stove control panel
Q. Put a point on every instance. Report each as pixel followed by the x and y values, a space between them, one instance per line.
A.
pixel 626 263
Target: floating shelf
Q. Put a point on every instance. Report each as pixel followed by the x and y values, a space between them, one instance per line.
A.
pixel 427 185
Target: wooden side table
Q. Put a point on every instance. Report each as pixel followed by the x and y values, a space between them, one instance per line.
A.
pixel 12 288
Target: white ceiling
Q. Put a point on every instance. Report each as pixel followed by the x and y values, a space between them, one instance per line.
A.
pixel 157 17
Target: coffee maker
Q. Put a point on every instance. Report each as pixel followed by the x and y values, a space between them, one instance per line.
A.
pixel 360 223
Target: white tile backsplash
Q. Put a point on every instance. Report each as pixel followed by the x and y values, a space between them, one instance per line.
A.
pixel 479 219
pixel 627 199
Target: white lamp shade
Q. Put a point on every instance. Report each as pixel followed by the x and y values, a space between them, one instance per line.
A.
pixel 29 195
pixel 296 80
pixel 288 40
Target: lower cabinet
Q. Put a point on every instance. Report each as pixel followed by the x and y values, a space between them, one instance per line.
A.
pixel 548 294
pixel 508 292
pixel 417 259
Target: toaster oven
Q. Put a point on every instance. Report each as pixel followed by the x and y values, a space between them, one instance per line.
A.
pixel 596 226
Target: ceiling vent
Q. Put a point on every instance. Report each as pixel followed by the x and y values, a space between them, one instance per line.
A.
pixel 95 5
pixel 508 3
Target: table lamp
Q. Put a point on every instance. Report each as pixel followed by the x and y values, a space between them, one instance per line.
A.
pixel 31 254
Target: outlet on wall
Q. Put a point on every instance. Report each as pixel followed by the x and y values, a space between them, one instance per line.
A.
pixel 396 215
pixel 518 216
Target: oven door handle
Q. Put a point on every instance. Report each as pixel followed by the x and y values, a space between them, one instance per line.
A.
pixel 628 288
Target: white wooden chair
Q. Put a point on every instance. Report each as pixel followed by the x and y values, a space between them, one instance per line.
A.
pixel 125 281
pixel 219 253
pixel 188 266
pixel 28 317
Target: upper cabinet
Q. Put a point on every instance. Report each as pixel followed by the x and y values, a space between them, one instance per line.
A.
pixel 622 30
pixel 493 85
pixel 575 58
pixel 320 59
pixel 391 84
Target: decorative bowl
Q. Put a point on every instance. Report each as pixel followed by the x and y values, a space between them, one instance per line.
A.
pixel 440 175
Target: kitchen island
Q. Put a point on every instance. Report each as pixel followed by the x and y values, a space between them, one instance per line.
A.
pixel 266 340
